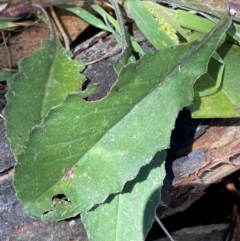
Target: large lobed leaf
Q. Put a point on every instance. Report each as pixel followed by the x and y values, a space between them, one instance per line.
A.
pixel 87 150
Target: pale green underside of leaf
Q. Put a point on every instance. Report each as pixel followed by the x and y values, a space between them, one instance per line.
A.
pixel 225 103
pixel 88 150
pixel 44 80
pixel 112 219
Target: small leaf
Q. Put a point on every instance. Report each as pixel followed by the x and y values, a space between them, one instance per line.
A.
pixel 86 16
pixel 85 151
pixel 109 20
pixel 134 207
pixel 8 25
pixel 148 24
pixel 189 20
pixel 225 102
pixel 44 80
pixel 124 59
pixel 216 7
pixel 171 25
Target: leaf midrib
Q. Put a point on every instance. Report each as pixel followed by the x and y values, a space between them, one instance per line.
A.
pixel 46 86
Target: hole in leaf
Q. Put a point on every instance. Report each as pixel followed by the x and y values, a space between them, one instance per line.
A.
pixel 47 212
pixel 60 199
pixel 85 84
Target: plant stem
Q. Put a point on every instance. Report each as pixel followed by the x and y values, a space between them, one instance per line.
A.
pixel 60 28
pixel 163 228
pixel 121 24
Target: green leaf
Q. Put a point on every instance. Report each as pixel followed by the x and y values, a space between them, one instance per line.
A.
pixel 171 23
pixel 86 16
pixel 214 7
pixel 44 80
pixel 148 24
pixel 90 18
pixel 215 10
pixel 225 102
pixel 110 21
pixel 134 207
pixel 85 151
pixel 4 75
pixel 125 58
pixel 189 20
pixel 7 25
